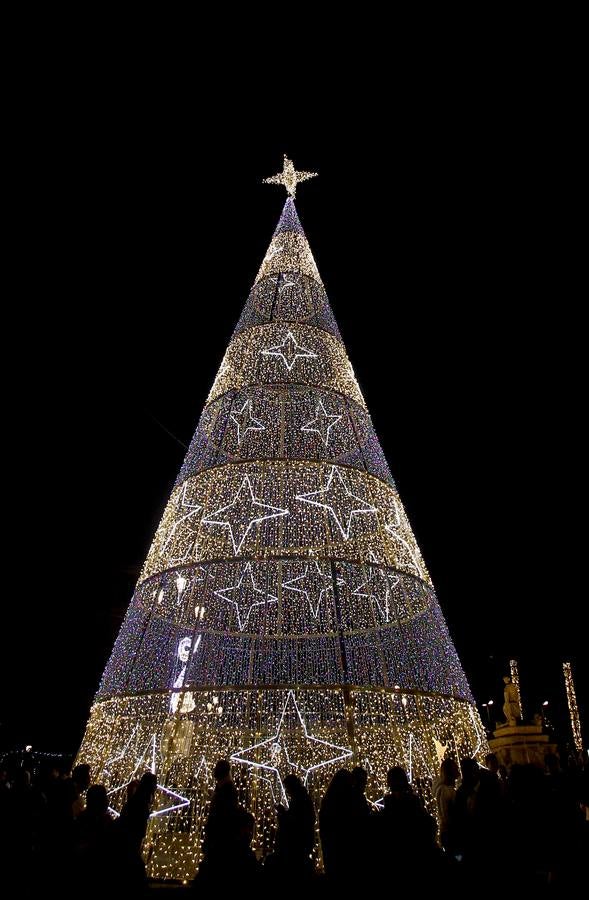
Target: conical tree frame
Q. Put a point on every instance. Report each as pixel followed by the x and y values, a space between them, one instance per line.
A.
pixel 284 618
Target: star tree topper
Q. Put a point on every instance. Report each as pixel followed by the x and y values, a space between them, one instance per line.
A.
pixel 289 177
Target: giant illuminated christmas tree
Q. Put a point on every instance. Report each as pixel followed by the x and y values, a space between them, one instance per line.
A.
pixel 284 617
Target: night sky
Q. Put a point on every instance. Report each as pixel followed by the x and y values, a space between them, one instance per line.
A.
pixel 447 234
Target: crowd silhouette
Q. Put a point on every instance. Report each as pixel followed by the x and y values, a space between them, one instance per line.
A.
pixel 527 828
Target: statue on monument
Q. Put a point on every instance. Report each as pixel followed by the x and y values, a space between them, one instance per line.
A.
pixel 511 707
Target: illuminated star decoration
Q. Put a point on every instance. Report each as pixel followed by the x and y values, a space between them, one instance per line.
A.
pixel 194 510
pixel 339 501
pixel 282 753
pixel 322 423
pixel 202 767
pixel 114 759
pixel 372 556
pixel 289 177
pixel 284 283
pixel 160 789
pixel 370 590
pixel 282 280
pixel 393 528
pixel 245 421
pixel 242 514
pixel 307 585
pixel 289 351
pixel 245 603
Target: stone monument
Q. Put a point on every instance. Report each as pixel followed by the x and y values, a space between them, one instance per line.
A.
pixel 511 708
pixel 516 742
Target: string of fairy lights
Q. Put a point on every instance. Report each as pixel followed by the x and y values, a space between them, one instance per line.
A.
pixel 262 615
pixel 328 726
pixel 286 354
pixel 284 508
pixel 284 617
pixel 291 297
pixel 514 672
pixel 569 685
pixel 292 422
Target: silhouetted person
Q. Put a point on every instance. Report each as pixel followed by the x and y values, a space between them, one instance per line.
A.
pixel 94 824
pixel 437 871
pixel 359 780
pixel 296 833
pixel 131 789
pixel 527 864
pixel 492 763
pixel 130 829
pixel 364 824
pixel 564 817
pixel 221 843
pixel 335 817
pixel 65 802
pixel 23 811
pixel 497 772
pixel 81 782
pixel 64 793
pixel 406 824
pixel 94 833
pixel 132 823
pixel 445 796
pixel 466 807
pixel 245 869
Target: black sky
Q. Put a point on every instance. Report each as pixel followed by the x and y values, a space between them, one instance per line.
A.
pixel 448 227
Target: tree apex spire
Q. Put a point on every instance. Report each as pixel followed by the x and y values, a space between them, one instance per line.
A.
pixel 289 177
pixel 289 219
